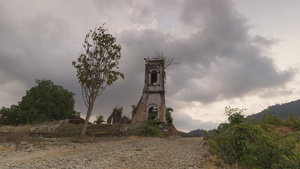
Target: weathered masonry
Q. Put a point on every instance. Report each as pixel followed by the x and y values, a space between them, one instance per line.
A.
pixel 152 102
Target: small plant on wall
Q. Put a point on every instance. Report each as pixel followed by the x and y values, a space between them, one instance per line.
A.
pixel 169 118
pixel 99 119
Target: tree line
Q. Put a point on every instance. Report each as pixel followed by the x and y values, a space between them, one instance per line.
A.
pixel 44 102
pixel 282 110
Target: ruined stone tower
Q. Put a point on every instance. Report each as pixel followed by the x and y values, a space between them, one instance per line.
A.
pixel 152 102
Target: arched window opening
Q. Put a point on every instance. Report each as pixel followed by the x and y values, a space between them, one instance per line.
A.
pixel 154 77
pixel 152 113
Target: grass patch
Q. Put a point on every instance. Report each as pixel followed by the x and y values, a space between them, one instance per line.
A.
pixel 17 134
pixel 74 130
pixel 149 128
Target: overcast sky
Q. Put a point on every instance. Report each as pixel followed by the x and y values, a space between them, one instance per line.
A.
pixel 240 53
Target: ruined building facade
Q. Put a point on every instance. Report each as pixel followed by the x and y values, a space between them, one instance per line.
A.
pixel 152 102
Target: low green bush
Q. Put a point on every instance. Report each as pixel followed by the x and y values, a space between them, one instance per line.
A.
pixel 271 119
pixel 168 115
pixel 293 122
pixel 250 145
pixel 149 128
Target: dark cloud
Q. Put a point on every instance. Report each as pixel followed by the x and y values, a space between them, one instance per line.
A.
pixel 218 58
pixel 264 41
pixel 225 64
pixel 215 63
pixel 32 48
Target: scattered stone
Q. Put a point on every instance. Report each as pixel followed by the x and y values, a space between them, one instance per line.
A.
pixel 117 152
pixel 48 128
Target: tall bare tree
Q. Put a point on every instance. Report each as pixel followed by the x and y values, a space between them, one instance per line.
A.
pixel 97 67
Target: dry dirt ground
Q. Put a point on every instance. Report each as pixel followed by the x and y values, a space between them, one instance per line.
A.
pixel 111 152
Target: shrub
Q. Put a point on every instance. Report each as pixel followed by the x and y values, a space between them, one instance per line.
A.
pixel 99 119
pixel 17 135
pixel 292 121
pixel 149 128
pixel 10 116
pixel 250 145
pixel 206 135
pixel 169 118
pixel 44 102
pixel 271 119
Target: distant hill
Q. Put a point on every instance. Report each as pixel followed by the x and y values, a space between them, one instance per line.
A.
pixel 195 133
pixel 282 110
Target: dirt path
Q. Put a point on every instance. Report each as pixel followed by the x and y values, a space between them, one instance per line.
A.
pixel 129 152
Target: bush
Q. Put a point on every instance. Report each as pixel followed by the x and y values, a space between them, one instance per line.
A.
pixel 10 116
pixel 99 119
pixel 293 122
pixel 271 119
pixel 235 115
pixel 44 102
pixel 250 145
pixel 169 118
pixel 149 128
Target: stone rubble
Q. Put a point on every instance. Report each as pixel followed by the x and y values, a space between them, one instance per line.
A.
pixel 116 152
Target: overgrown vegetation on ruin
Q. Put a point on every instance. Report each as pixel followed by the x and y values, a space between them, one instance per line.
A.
pixel 267 143
pixel 150 128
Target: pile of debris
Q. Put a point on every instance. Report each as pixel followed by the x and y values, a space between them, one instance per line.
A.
pixel 117 118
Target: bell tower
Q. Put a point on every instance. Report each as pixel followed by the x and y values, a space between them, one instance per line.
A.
pixel 152 102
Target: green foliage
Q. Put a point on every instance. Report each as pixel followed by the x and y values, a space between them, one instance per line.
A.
pixel 197 133
pixel 271 119
pixel 292 121
pixel 169 118
pixel 133 107
pixel 251 145
pixel 281 110
pixel 149 128
pixel 206 135
pixel 44 102
pixel 99 119
pixel 10 116
pixel 120 109
pixel 152 117
pixel 97 66
pixel 235 115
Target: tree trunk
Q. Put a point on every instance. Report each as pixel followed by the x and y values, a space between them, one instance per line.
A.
pixel 87 118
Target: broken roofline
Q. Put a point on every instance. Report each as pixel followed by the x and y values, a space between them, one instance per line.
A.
pixel 158 59
pixel 155 62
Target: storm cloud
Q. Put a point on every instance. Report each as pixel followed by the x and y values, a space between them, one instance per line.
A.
pixel 219 59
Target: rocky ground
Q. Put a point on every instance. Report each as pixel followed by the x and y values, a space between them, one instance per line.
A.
pixel 111 152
